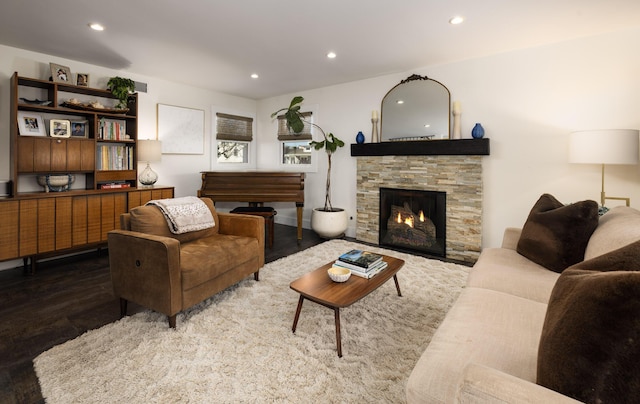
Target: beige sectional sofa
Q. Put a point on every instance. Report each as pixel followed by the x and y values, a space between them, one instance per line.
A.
pixel 486 349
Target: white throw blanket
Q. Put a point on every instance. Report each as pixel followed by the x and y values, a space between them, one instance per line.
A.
pixel 185 214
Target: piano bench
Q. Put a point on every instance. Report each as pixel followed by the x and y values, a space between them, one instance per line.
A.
pixel 266 212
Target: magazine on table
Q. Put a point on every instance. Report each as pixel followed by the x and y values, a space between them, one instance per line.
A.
pixel 369 274
pixel 360 258
pixel 373 267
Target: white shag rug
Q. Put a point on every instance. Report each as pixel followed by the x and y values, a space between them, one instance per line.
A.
pixel 237 346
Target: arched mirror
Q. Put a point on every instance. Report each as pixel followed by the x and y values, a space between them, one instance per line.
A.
pixel 416 109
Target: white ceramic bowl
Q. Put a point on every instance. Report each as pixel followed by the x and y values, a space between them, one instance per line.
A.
pixel 56 183
pixel 338 274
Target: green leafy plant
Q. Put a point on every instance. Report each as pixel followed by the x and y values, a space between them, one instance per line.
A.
pixel 295 122
pixel 121 88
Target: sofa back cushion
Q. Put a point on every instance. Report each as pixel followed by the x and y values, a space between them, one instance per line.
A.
pixel 589 344
pixel 150 220
pixel 556 235
pixel 618 227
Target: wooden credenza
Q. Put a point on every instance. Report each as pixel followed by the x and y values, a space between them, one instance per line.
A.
pixel 48 224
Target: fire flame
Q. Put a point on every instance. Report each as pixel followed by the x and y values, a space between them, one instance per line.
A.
pixel 421 216
pixel 409 222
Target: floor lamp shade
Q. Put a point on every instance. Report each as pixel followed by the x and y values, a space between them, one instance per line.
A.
pixel 612 146
pixel 149 150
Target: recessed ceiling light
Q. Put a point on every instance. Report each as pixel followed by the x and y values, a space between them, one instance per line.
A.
pixel 254 76
pixel 96 27
pixel 400 102
pixel 331 55
pixel 456 20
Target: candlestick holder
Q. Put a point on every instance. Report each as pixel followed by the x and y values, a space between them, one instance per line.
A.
pixel 374 131
pixel 456 125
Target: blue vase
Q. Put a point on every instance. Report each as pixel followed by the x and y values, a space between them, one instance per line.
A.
pixel 360 137
pixel 477 132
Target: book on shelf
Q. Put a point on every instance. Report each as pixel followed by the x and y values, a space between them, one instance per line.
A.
pixel 112 129
pixel 360 258
pixel 115 185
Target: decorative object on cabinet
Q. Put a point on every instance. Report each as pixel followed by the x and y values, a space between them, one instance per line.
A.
pixel 149 151
pixel 59 128
pixel 121 87
pixel 477 132
pixel 457 111
pixel 35 101
pixel 31 124
pixel 56 183
pixel 328 221
pixel 413 104
pixel 360 138
pixel 60 74
pixel 612 146
pixel 93 106
pixel 82 79
pixel 79 128
pixel 181 129
pixel 374 129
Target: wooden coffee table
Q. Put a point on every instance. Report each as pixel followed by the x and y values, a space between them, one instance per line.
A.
pixel 318 287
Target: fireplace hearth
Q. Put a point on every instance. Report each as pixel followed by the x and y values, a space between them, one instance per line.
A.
pixel 413 220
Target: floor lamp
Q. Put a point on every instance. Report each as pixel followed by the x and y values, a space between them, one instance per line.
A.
pixel 611 146
pixel 149 151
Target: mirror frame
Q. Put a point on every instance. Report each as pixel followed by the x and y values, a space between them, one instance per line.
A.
pixel 416 77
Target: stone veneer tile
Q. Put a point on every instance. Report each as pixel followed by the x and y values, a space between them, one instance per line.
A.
pixel 459 176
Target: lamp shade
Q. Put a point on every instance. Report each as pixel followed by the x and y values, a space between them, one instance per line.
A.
pixel 611 146
pixel 149 150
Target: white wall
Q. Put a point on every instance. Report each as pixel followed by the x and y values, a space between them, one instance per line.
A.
pixel 527 100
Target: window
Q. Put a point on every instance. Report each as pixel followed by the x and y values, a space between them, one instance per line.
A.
pixel 295 149
pixel 234 134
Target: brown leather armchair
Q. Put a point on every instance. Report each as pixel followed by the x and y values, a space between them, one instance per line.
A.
pixel 169 272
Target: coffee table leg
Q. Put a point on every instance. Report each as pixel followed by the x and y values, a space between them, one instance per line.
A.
pixel 295 320
pixel 395 279
pixel 338 337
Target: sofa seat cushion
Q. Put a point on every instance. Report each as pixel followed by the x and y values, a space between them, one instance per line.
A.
pixel 589 346
pixel 556 235
pixel 206 258
pixel 616 228
pixel 486 327
pixel 505 270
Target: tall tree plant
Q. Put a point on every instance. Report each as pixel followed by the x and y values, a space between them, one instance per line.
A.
pixel 295 122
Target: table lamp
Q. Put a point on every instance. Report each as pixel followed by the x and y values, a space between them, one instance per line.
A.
pixel 610 146
pixel 148 151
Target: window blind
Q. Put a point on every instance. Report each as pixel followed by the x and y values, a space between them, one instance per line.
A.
pixel 234 127
pixel 285 134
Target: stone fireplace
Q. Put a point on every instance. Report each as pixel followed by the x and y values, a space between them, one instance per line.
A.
pixel 457 173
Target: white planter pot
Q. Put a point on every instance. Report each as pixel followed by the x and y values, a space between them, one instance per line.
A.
pixel 329 224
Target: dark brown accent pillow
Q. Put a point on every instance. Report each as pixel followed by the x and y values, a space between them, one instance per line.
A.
pixel 590 343
pixel 556 235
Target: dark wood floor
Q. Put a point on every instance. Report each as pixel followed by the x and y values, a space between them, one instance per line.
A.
pixel 65 298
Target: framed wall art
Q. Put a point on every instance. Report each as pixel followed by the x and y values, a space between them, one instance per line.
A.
pixel 82 79
pixel 60 74
pixel 30 124
pixel 79 128
pixel 59 128
pixel 180 129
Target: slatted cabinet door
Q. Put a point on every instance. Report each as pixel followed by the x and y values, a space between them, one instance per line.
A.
pixel 64 223
pixel 10 229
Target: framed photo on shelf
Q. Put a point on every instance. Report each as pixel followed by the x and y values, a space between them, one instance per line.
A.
pixel 82 79
pixel 79 128
pixel 59 128
pixel 31 124
pixel 60 74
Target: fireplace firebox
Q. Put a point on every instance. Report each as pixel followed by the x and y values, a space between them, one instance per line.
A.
pixel 413 220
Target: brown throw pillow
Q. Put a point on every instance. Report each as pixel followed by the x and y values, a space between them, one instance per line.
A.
pixel 556 235
pixel 589 347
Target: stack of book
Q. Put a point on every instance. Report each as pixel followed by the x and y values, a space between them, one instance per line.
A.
pixel 365 264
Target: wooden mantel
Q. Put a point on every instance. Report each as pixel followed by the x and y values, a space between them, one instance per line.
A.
pixel 460 147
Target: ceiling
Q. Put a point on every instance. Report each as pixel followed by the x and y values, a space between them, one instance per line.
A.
pixel 218 44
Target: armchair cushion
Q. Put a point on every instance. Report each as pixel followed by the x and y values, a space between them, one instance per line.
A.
pixel 556 235
pixel 149 219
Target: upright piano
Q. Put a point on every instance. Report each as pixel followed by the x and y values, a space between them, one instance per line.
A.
pixel 255 187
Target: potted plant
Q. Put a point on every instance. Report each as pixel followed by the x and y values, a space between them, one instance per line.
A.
pixel 327 221
pixel 121 88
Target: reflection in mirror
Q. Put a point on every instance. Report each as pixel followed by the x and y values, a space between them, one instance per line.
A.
pixel 416 109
